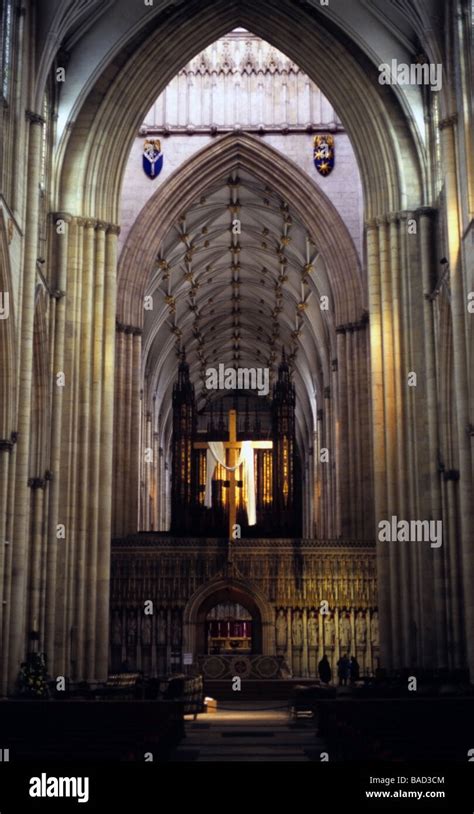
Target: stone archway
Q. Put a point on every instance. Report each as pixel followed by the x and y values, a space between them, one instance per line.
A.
pixel 228 589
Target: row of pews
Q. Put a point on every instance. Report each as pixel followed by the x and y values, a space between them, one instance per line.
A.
pixel 124 719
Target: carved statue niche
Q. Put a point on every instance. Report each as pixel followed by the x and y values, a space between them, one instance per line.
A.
pixel 297 630
pixel 176 630
pixel 361 630
pixel 329 631
pixel 374 629
pixel 161 627
pixel 313 629
pixel 131 626
pixel 146 630
pixel 345 632
pixel 281 631
pixel 116 629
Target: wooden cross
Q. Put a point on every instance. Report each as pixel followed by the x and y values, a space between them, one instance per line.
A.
pixel 234 446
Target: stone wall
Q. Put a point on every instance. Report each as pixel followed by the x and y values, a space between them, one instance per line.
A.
pixel 312 597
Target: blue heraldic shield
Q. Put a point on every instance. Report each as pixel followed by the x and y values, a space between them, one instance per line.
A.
pixel 152 158
pixel 324 154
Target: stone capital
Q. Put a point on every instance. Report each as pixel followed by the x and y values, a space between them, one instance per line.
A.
pixel 371 223
pixel 405 214
pixel 57 294
pixel 65 216
pixel 113 229
pixel 36 483
pixel 34 118
pixel 449 121
pixel 425 212
pixel 128 329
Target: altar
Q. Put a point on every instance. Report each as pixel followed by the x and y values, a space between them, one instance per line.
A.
pixel 221 667
pixel 229 630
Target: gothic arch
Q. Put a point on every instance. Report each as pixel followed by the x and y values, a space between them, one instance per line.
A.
pixel 233 588
pixel 95 148
pixel 214 163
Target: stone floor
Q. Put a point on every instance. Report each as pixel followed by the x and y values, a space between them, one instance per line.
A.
pixel 249 731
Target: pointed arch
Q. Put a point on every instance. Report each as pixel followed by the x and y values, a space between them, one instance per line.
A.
pixel 214 163
pixel 236 588
pixel 96 145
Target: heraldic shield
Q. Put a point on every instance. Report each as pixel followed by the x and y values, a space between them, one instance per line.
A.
pixel 152 158
pixel 324 154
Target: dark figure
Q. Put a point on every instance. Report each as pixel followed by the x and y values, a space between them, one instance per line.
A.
pixel 355 670
pixel 324 670
pixel 343 667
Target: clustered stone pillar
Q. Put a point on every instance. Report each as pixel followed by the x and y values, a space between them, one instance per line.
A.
pixel 355 489
pixel 415 578
pixel 129 449
pixel 15 610
pixel 60 531
pixel 461 334
pixel 343 494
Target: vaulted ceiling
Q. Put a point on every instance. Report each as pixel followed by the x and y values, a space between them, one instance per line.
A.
pixel 92 31
pixel 241 279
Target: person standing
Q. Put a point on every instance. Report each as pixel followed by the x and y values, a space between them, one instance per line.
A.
pixel 324 670
pixel 343 666
pixel 354 670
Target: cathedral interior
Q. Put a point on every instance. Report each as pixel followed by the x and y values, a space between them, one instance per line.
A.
pixel 236 336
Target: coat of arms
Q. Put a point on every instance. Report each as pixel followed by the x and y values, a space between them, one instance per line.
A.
pixel 324 154
pixel 152 157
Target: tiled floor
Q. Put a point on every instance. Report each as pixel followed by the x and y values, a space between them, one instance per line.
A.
pixel 249 732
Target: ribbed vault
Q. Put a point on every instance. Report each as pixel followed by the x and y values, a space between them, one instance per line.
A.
pixel 234 253
pixel 98 142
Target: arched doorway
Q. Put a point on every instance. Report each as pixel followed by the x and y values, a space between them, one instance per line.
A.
pixel 229 620
pixel 255 639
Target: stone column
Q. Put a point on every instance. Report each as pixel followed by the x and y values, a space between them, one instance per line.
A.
pixel 94 441
pixel 342 441
pixel 37 486
pixel 437 592
pixel 461 383
pixel 84 449
pixel 106 453
pixel 289 641
pixel 378 435
pixel 6 446
pixel 61 401
pixel 116 467
pixel 73 354
pixel 305 656
pixel 351 430
pixel 16 637
pixel 388 329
